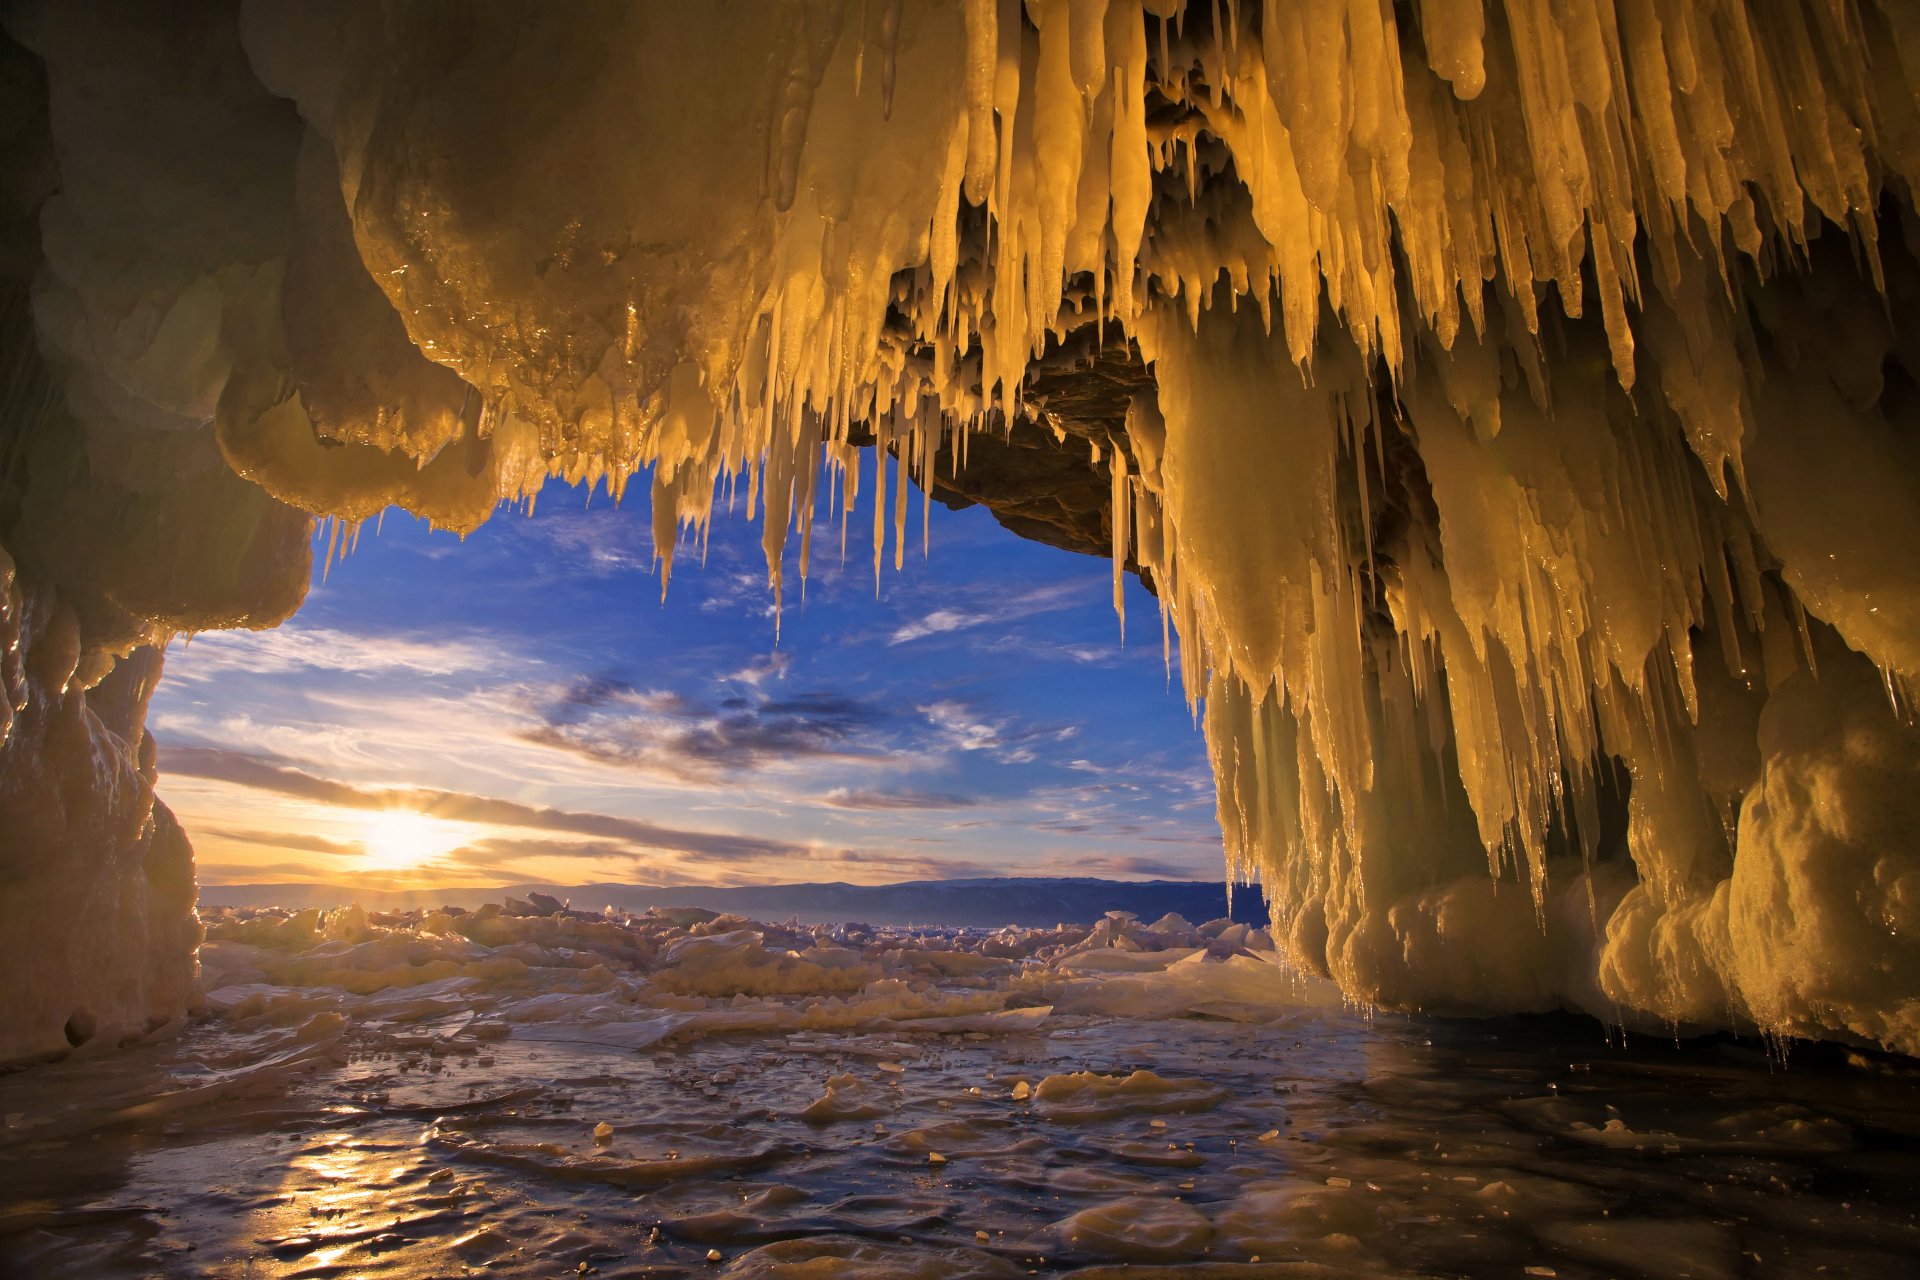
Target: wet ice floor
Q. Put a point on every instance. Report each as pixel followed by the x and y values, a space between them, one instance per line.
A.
pixel 1310 1142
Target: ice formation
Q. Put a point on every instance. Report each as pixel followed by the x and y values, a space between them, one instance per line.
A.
pixel 635 983
pixel 526 1089
pixel 1528 471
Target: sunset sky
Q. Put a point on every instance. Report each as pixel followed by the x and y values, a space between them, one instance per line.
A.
pixel 521 707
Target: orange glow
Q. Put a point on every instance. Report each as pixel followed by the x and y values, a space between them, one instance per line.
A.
pixel 401 839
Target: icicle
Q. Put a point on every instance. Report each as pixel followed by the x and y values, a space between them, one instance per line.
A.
pixel 1663 439
pixel 1122 536
pixel 982 62
pixel 883 438
pixel 900 500
pixel 889 36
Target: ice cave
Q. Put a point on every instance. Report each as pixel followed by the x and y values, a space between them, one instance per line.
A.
pixel 1513 405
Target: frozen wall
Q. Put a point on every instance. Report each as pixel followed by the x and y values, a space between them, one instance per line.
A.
pixel 1530 474
pixel 96 904
pixel 134 221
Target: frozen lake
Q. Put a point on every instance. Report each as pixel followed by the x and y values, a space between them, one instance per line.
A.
pixel 584 1095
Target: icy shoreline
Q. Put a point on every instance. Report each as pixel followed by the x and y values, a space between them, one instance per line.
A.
pixel 428 1093
pixel 679 974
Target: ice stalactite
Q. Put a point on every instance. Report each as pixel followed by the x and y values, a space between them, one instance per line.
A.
pixel 1528 471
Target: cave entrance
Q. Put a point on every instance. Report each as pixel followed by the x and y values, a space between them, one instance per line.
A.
pixel 446 716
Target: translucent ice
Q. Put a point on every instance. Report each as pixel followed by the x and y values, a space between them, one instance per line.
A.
pixel 1526 472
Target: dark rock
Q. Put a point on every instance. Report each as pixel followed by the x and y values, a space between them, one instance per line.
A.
pixel 1038 477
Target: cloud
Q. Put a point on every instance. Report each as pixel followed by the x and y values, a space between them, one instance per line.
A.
pixel 740 591
pixel 908 867
pixel 935 623
pixel 967 730
pixel 601 543
pixel 224 873
pixel 962 728
pixel 994 604
pixel 295 648
pixel 1113 865
pixel 294 840
pixel 268 774
pixel 500 852
pixel 847 798
pixel 589 692
pixel 772 667
pixel 692 740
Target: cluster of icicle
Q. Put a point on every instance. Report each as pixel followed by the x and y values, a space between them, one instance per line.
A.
pixel 1522 416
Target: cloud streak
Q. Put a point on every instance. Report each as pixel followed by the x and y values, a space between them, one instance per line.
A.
pixel 267 774
pixel 290 840
pixel 502 853
pixel 884 801
pixel 1127 868
pixel 295 648
pixel 967 730
pixel 1049 598
pixel 936 623
pixel 597 546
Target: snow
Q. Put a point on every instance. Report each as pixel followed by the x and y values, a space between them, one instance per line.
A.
pixel 1527 416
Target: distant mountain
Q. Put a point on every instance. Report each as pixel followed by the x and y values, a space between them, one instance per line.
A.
pixel 1031 902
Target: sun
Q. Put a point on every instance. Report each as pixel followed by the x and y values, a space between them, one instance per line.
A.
pixel 397 839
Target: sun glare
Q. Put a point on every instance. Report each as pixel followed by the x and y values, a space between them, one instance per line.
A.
pixel 397 839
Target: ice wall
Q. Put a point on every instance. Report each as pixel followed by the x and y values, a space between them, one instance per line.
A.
pixel 96 877
pixel 1531 478
pixel 128 244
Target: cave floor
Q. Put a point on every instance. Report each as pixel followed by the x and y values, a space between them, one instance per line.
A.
pixel 1321 1143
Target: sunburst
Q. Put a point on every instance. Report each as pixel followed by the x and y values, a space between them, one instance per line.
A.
pixel 400 839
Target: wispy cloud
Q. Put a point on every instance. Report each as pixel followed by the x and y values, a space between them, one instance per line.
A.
pixel 899 866
pixel 1124 868
pixel 295 648
pixel 847 798
pixel 290 840
pixel 741 591
pixel 1033 649
pixel 598 542
pixel 990 607
pixel 220 873
pixel 962 727
pixel 501 853
pixel 267 774
pixel 936 623
pixel 774 666
pixel 968 730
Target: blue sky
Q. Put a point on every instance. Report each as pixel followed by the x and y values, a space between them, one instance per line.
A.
pixel 522 706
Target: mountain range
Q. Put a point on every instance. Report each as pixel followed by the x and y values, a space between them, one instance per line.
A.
pixel 987 902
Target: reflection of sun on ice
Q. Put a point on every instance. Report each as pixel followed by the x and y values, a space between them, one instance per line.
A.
pixel 399 838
